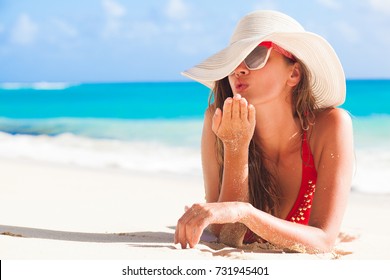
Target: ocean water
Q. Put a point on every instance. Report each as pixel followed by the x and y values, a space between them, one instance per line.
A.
pixel 156 127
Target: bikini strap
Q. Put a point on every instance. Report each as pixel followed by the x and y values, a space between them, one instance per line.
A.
pixel 307 157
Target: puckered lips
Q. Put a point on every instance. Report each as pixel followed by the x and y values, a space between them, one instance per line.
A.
pixel 240 86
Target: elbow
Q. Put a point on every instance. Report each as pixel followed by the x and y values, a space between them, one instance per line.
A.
pixel 326 247
pixel 324 244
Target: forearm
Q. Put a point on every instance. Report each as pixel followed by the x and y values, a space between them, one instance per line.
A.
pixel 285 234
pixel 234 185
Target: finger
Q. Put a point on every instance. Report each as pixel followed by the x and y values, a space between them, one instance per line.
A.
pixel 244 109
pixel 176 237
pixel 236 106
pixel 186 225
pixel 182 239
pixel 190 232
pixel 180 233
pixel 216 121
pixel 251 114
pixel 227 109
pixel 198 233
pixel 195 229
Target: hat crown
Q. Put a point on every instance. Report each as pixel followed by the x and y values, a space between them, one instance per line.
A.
pixel 262 23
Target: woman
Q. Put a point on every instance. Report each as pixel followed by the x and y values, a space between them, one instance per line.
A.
pixel 277 154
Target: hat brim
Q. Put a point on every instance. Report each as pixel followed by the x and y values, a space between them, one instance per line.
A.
pixel 327 77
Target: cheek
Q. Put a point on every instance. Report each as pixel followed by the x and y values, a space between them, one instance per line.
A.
pixel 267 82
pixel 269 86
pixel 272 78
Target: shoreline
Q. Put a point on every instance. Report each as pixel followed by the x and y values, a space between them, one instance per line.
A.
pixel 57 212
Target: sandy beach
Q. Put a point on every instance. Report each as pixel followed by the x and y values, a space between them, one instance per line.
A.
pixel 64 212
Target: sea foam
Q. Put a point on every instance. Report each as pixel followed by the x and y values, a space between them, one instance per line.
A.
pixel 146 156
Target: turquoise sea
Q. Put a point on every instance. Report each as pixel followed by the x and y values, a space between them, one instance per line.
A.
pixel 156 127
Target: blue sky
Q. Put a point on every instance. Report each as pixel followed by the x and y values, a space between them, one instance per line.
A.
pixel 153 40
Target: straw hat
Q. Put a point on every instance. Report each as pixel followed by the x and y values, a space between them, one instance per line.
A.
pixel 326 73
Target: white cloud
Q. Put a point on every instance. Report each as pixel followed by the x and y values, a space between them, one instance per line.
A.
pixel 114 13
pixel 113 8
pixel 382 6
pixel 177 10
pixel 25 30
pixel 330 4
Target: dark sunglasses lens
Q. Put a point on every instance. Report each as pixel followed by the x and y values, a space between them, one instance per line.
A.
pixel 256 58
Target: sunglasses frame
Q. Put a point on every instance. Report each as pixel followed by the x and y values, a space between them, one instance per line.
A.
pixel 252 53
pixel 270 46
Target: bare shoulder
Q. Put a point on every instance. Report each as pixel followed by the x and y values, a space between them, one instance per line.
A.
pixel 333 127
pixel 331 121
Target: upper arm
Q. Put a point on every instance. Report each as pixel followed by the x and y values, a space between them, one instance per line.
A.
pixel 334 156
pixel 210 165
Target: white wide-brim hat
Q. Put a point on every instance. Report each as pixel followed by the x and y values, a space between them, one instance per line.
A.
pixel 327 77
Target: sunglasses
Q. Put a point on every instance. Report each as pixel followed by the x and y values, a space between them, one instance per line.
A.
pixel 259 56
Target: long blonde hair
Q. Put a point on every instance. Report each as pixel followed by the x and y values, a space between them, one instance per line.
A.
pixel 264 193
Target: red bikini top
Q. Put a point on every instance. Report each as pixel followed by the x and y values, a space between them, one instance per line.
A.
pixel 300 212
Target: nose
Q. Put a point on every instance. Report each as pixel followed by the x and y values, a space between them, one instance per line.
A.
pixel 241 70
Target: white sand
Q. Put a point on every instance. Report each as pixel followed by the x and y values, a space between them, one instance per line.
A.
pixel 65 212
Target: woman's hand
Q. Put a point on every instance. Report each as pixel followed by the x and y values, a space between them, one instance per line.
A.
pixel 191 225
pixel 236 124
